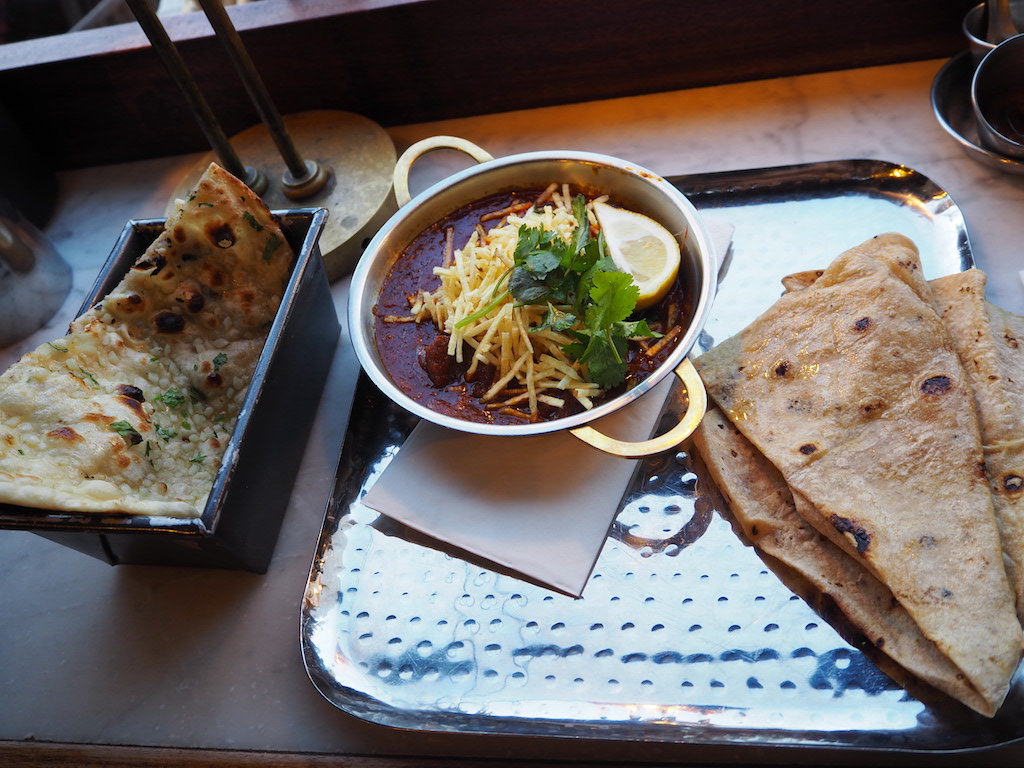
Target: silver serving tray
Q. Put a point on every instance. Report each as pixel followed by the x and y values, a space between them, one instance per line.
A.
pixel 684 633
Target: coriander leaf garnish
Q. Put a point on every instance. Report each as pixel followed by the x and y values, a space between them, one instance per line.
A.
pixel 127 431
pixel 147 448
pixel 614 297
pixel 205 205
pixel 166 434
pixel 556 319
pixel 603 353
pixel 251 220
pixel 603 346
pixel 172 398
pixel 196 395
pixel 186 425
pixel 198 458
pixel 218 360
pixel 272 245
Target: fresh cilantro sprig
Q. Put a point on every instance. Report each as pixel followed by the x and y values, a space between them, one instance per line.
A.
pixel 127 431
pixel 585 294
pixel 172 398
pixel 602 344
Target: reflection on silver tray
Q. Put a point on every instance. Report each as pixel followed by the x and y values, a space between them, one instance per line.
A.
pixel 951 101
pixel 683 633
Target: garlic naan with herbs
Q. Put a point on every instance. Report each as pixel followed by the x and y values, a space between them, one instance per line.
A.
pixel 132 410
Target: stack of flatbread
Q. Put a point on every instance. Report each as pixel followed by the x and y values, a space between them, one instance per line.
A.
pixel 132 410
pixel 868 433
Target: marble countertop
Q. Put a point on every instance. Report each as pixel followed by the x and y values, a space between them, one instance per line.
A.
pixel 171 657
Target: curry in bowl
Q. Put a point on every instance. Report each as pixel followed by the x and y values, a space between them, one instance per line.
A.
pixel 531 305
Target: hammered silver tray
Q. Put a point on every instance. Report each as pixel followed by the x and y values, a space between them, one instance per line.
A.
pixel 684 633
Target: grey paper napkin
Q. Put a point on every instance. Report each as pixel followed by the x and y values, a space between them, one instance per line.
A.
pixel 540 506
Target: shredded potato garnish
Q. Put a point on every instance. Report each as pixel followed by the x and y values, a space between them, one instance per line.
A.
pixel 531 367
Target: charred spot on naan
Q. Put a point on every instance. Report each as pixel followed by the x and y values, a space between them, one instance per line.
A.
pixel 130 304
pixel 150 261
pixel 166 321
pixel 190 295
pixel 127 390
pixel 214 277
pixel 221 235
pixel 132 405
pixel 66 434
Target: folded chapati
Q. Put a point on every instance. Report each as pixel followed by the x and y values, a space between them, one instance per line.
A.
pixel 853 390
pixel 132 410
pixel 764 506
pixel 990 342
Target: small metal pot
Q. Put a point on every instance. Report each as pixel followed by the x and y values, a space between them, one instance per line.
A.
pixel 997 95
pixel 627 184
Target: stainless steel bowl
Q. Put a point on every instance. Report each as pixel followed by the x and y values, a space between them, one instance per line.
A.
pixel 628 184
pixel 974 28
pixel 997 93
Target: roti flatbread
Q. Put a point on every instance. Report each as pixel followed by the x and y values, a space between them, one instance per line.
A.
pixel 853 390
pixel 990 342
pixel 131 411
pixel 764 506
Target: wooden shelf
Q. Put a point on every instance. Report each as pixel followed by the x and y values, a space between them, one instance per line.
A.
pixel 102 96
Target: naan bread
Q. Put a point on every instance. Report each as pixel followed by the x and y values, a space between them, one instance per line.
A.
pixel 764 506
pixel 853 390
pixel 132 410
pixel 990 342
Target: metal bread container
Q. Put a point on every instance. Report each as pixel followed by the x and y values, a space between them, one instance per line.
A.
pixel 239 525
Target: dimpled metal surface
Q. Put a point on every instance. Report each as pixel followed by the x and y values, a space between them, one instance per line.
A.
pixel 684 633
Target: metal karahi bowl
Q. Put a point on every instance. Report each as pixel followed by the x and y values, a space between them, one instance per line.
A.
pixel 627 184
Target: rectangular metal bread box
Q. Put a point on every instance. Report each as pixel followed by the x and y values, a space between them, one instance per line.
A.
pixel 243 514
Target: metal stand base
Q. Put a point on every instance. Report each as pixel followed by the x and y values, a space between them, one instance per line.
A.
pixel 359 158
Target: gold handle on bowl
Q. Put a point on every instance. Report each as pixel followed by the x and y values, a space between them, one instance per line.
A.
pixel 419 149
pixel 696 407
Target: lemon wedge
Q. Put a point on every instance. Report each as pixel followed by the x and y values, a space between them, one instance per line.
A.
pixel 642 247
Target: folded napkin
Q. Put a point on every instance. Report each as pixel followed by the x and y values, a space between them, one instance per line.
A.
pixel 538 507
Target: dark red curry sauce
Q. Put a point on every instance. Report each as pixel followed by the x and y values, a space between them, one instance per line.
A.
pixel 402 344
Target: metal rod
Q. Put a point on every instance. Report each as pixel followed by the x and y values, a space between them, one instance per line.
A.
pixel 175 65
pixel 303 177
